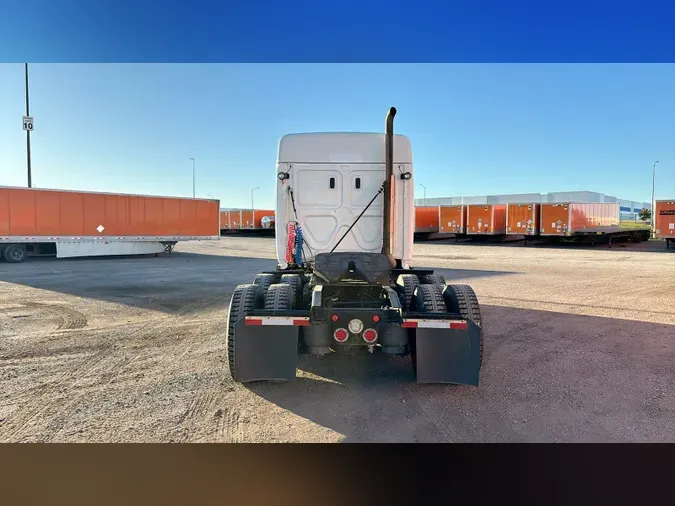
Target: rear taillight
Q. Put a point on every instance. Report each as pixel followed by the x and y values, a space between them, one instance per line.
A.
pixel 335 317
pixel 370 336
pixel 341 335
pixel 376 318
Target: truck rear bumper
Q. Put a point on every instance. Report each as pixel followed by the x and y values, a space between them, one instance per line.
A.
pixel 445 348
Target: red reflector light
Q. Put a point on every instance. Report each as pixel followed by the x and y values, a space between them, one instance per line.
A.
pixel 376 318
pixel 341 335
pixel 370 336
pixel 334 317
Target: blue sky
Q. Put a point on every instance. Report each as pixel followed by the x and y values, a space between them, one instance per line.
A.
pixel 475 128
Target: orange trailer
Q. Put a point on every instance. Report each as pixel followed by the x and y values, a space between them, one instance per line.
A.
pixel 523 219
pixel 74 223
pixel 452 219
pixel 486 219
pixel 224 220
pixel 426 219
pixel 665 221
pixel 246 218
pixel 573 218
pixel 258 216
pixel 235 220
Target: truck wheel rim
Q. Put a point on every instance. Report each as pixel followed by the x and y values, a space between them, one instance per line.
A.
pixel 15 254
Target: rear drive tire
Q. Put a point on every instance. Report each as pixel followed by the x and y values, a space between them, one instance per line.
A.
pixel 279 297
pixel 407 284
pixel 461 299
pixel 14 253
pixel 433 279
pixel 245 299
pixel 429 299
pixel 295 282
pixel 264 281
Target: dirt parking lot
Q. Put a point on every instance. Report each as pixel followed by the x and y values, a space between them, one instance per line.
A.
pixel 580 346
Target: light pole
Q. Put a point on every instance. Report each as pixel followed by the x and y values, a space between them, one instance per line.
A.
pixel 30 182
pixel 425 193
pixel 653 203
pixel 193 177
pixel 254 189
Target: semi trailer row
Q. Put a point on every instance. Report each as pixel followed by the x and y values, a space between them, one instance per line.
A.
pixel 65 223
pixel 563 221
pixel 246 219
pixel 664 223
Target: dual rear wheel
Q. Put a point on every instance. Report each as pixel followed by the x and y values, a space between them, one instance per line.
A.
pixel 431 294
pixel 263 293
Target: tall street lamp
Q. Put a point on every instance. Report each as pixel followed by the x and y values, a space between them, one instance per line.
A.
pixel 193 177
pixel 28 127
pixel 254 189
pixel 425 193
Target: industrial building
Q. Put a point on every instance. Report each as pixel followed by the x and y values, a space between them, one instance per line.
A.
pixel 629 208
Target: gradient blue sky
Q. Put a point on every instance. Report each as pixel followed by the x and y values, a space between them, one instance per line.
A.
pixel 475 128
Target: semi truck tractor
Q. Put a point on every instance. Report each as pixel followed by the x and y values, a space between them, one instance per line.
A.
pixel 344 281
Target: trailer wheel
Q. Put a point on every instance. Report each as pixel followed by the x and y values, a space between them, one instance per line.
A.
pixel 407 284
pixel 461 299
pixel 246 298
pixel 433 279
pixel 295 282
pixel 14 253
pixel 263 281
pixel 279 297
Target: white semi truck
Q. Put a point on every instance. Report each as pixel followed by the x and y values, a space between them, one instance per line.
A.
pixel 344 237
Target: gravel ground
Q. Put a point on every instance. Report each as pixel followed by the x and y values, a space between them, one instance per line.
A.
pixel 580 346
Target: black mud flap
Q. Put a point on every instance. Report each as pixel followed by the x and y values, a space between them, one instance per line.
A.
pixel 265 353
pixel 448 355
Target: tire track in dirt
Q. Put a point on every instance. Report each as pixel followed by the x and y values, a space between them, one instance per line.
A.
pixel 198 410
pixel 21 419
pixel 181 317
pixel 69 317
pixel 230 427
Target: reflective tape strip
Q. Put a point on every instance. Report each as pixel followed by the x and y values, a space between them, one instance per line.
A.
pixel 277 320
pixel 435 324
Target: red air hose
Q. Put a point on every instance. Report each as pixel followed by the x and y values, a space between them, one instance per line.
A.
pixel 290 244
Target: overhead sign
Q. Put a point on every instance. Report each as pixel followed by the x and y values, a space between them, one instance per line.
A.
pixel 28 123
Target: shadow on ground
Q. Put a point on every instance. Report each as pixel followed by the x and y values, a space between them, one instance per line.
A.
pixel 451 274
pixel 546 376
pixel 163 283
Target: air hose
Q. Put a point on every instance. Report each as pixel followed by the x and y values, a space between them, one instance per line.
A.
pixel 298 244
pixel 290 243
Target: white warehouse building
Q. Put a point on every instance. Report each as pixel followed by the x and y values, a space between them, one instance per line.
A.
pixel 629 208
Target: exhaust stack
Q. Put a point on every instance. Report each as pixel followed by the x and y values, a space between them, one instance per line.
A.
pixel 388 182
